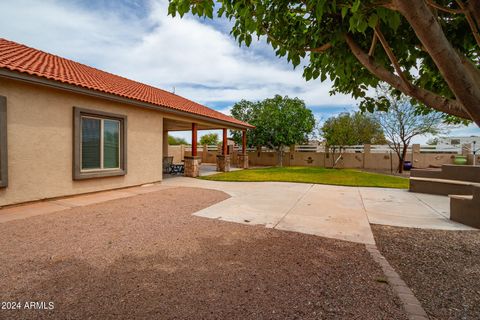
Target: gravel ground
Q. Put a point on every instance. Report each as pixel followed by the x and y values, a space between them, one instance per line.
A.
pixel 441 267
pixel 147 257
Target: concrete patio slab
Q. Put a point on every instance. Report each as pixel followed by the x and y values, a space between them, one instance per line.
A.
pixel 93 198
pixel 330 211
pixel 259 203
pixel 338 212
pixel 402 208
pixel 29 210
pixel 52 206
pixel 440 204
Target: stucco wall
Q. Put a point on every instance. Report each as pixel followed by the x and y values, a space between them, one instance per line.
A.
pixel 40 141
pixel 177 152
pixel 378 161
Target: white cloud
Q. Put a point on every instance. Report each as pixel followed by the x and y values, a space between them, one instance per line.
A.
pixel 203 62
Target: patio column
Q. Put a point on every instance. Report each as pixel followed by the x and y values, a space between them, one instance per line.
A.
pixel 223 160
pixel 165 143
pixel 243 157
pixel 194 139
pixel 225 143
pixel 192 163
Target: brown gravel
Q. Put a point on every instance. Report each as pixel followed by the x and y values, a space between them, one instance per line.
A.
pixel 147 257
pixel 441 267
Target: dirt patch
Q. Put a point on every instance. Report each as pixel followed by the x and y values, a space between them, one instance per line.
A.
pixel 147 257
pixel 441 267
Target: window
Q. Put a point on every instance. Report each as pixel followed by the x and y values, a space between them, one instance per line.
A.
pixel 99 145
pixel 3 143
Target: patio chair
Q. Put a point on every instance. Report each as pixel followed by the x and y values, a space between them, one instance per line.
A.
pixel 177 168
pixel 167 164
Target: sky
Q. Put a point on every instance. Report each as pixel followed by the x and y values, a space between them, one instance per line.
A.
pixel 196 58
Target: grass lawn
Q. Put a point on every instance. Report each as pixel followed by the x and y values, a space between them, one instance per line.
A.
pixel 341 177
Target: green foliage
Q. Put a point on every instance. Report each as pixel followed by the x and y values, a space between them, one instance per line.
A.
pixel 349 129
pixel 209 139
pixel 293 28
pixel 173 141
pixel 342 177
pixel 279 122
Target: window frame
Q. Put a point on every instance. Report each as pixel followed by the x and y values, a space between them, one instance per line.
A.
pixel 3 143
pixel 78 172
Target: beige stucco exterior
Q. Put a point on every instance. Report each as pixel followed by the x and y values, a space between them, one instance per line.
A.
pixel 40 138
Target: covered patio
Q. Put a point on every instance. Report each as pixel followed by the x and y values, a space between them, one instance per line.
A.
pixel 191 165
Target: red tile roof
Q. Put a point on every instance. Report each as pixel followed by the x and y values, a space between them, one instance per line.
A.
pixel 18 57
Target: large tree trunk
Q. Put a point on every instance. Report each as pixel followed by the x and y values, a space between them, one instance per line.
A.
pixel 430 33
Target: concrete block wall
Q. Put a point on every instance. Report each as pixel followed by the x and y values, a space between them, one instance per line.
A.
pixel 360 160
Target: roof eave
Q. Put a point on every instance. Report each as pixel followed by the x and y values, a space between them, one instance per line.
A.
pixel 25 77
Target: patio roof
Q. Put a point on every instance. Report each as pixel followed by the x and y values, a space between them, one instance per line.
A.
pixel 32 62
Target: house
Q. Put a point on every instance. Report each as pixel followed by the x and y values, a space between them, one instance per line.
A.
pixel 457 141
pixel 67 128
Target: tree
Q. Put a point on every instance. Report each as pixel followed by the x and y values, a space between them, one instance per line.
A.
pixel 279 122
pixel 351 129
pixel 402 122
pixel 175 141
pixel 432 141
pixel 360 44
pixel 209 139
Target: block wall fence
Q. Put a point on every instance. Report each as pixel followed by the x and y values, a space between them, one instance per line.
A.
pixel 356 160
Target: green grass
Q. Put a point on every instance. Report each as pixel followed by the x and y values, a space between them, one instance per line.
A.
pixel 341 177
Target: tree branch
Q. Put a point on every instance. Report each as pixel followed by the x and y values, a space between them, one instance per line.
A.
pixel 470 21
pixel 373 45
pixel 432 4
pixel 322 48
pixel 391 56
pixel 427 97
pixel 473 6
pixel 463 10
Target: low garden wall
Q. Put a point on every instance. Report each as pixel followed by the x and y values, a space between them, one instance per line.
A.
pixel 364 159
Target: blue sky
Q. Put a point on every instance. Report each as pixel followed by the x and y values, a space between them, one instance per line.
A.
pixel 197 57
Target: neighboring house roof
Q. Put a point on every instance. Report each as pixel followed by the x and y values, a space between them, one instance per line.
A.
pixel 20 58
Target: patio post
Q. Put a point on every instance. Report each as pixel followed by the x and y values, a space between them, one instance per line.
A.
pixel 192 163
pixel 223 160
pixel 225 142
pixel 243 157
pixel 165 143
pixel 194 139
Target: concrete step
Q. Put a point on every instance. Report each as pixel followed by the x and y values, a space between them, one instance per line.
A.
pixel 466 209
pixel 449 172
pixel 442 186
pixel 460 197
